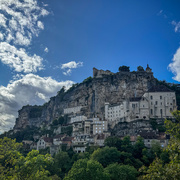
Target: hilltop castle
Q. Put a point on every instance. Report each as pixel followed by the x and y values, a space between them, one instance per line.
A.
pixel 121 104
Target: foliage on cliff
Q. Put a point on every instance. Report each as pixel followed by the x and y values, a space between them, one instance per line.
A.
pixel 168 167
pixel 13 165
pixel 124 69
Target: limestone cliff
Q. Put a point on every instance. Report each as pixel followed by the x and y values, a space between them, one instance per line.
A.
pixel 92 93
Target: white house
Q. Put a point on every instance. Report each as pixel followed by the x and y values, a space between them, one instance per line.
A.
pixel 162 101
pixel 99 126
pixel 44 142
pixel 72 110
pixel 78 118
pixel 80 142
pixel 57 140
pixel 158 102
pixel 117 112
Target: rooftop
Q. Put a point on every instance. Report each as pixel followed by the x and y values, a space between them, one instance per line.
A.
pixel 160 88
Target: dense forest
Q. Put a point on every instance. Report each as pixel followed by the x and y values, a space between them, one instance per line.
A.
pixel 119 159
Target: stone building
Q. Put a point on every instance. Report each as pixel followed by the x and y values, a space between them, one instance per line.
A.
pixel 89 126
pixel 78 118
pixel 80 142
pixel 99 126
pixel 72 110
pixel 116 112
pixel 158 102
pixel 162 101
pixel 44 142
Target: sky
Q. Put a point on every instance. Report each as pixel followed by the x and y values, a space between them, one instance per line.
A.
pixel 48 44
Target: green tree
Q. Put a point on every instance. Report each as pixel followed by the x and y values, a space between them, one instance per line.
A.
pixel 156 149
pixel 140 68
pixel 13 165
pixel 113 141
pixel 124 69
pixel 126 145
pixel 61 164
pixel 121 172
pixel 85 169
pixel 33 166
pixel 9 153
pixel 138 148
pixel 160 169
pixel 106 155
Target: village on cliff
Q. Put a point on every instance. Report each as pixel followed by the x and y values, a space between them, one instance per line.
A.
pixel 132 116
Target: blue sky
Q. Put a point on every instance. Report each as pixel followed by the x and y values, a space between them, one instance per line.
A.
pixel 47 44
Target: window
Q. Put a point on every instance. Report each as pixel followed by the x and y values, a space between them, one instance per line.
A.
pixel 156 102
pixel 151 97
pixel 160 97
pixel 151 103
pixel 151 112
pixel 161 111
pixel 170 109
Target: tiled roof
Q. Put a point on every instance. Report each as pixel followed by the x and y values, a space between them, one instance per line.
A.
pixel 48 139
pixel 68 139
pixel 59 136
pixel 160 88
pixel 135 99
pixel 148 134
pixel 101 136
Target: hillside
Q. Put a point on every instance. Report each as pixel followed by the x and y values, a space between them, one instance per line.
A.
pixel 91 94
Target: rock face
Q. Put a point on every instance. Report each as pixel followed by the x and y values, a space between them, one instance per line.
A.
pixel 92 93
pixel 131 128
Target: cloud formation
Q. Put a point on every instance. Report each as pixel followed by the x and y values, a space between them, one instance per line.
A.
pixel 29 89
pixel 177 26
pixel 19 23
pixel 70 65
pixel 174 67
pixel 19 59
pixel 46 50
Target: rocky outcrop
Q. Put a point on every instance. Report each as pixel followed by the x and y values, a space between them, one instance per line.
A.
pixel 91 94
pixel 132 128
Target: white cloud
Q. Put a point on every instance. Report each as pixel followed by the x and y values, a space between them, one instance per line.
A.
pixel 19 22
pixel 46 50
pixel 22 40
pixel 177 26
pixel 67 73
pixel 70 65
pixel 160 12
pixel 40 25
pixel 30 89
pixel 1 36
pixel 2 20
pixel 174 67
pixel 19 59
